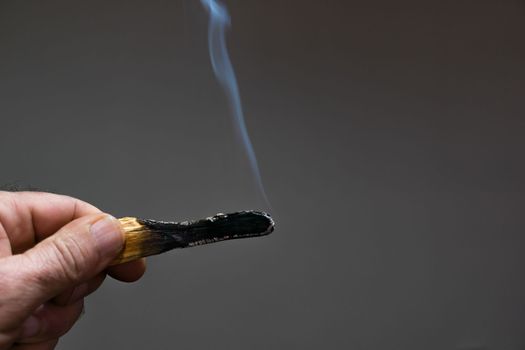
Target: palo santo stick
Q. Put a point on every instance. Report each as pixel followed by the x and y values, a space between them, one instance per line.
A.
pixel 150 237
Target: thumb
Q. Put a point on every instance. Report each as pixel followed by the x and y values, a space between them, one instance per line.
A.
pixel 76 253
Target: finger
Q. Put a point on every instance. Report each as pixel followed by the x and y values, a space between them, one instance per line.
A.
pixel 7 338
pixel 128 272
pixel 74 294
pixel 50 322
pixel 72 256
pixel 5 245
pixel 29 217
pixel 47 345
pixel 75 254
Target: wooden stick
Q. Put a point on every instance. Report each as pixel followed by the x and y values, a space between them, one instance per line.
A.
pixel 149 237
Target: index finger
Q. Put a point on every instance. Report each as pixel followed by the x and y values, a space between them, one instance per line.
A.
pixel 29 217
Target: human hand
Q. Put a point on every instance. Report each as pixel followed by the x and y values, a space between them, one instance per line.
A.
pixel 54 251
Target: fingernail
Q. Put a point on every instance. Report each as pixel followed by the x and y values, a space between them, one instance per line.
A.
pixel 108 236
pixel 30 328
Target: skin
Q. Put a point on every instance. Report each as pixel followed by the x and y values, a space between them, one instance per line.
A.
pixel 50 260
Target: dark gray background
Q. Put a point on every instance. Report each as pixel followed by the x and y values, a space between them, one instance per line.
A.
pixel 390 136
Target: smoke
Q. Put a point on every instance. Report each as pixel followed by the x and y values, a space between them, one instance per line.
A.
pixel 223 69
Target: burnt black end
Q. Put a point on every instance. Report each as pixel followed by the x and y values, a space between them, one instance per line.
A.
pixel 216 228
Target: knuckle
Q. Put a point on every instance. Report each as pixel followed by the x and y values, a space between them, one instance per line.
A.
pixel 64 261
pixel 71 258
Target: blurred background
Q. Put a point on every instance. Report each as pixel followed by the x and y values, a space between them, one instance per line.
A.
pixel 390 138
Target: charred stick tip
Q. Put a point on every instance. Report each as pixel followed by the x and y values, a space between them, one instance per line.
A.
pixel 146 237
